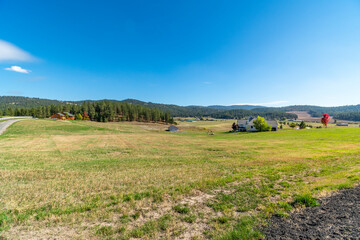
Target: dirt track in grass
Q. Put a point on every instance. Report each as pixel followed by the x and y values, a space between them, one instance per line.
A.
pixel 337 217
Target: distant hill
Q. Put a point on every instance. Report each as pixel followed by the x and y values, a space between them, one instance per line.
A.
pixel 350 112
pixel 314 109
pixel 26 102
pixel 216 112
pixel 231 107
pixel 175 110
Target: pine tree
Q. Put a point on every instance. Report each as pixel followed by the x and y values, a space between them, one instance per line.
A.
pixel 302 125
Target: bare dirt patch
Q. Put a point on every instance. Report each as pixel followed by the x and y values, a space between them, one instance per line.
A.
pixel 337 217
pixel 305 116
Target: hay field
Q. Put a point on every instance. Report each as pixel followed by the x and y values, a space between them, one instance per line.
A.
pixel 89 180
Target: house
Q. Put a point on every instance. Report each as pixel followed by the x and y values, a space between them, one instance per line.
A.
pixel 58 116
pixel 63 116
pixel 248 125
pixel 342 124
pixel 70 116
pixel 172 128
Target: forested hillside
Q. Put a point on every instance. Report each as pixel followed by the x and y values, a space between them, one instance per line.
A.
pixel 215 111
pixel 351 112
pixel 177 111
pixel 101 111
pixel 243 113
pixel 231 107
pixel 25 102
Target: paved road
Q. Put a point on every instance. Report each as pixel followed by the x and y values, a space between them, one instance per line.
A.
pixel 10 120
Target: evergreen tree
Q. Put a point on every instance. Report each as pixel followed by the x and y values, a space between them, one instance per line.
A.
pixel 102 111
pixel 302 125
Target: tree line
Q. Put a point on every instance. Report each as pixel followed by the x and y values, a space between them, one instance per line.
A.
pixel 101 111
pixel 350 112
pixel 350 116
pixel 242 113
pixel 104 111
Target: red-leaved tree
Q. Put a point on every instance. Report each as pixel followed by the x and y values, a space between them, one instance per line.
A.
pixel 86 116
pixel 325 119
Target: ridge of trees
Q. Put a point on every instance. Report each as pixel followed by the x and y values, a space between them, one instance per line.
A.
pixel 101 111
pixel 350 112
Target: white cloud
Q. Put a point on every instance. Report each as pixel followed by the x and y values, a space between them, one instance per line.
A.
pixel 18 69
pixel 263 104
pixel 10 52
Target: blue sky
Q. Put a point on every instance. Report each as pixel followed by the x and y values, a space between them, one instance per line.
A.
pixel 271 53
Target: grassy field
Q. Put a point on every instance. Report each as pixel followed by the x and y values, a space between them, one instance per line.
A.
pixel 89 180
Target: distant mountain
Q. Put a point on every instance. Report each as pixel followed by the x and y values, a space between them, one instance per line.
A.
pixel 231 107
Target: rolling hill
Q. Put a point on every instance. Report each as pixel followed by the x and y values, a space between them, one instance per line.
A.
pixel 349 112
pixel 231 107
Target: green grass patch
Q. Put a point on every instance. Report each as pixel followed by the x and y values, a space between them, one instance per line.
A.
pixel 105 231
pixel 244 229
pixel 181 209
pixel 190 219
pixel 306 200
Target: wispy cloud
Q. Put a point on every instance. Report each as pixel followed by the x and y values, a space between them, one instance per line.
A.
pixel 207 83
pixel 10 52
pixel 264 103
pixel 18 69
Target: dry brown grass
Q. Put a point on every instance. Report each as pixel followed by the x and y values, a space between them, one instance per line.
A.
pixel 69 179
